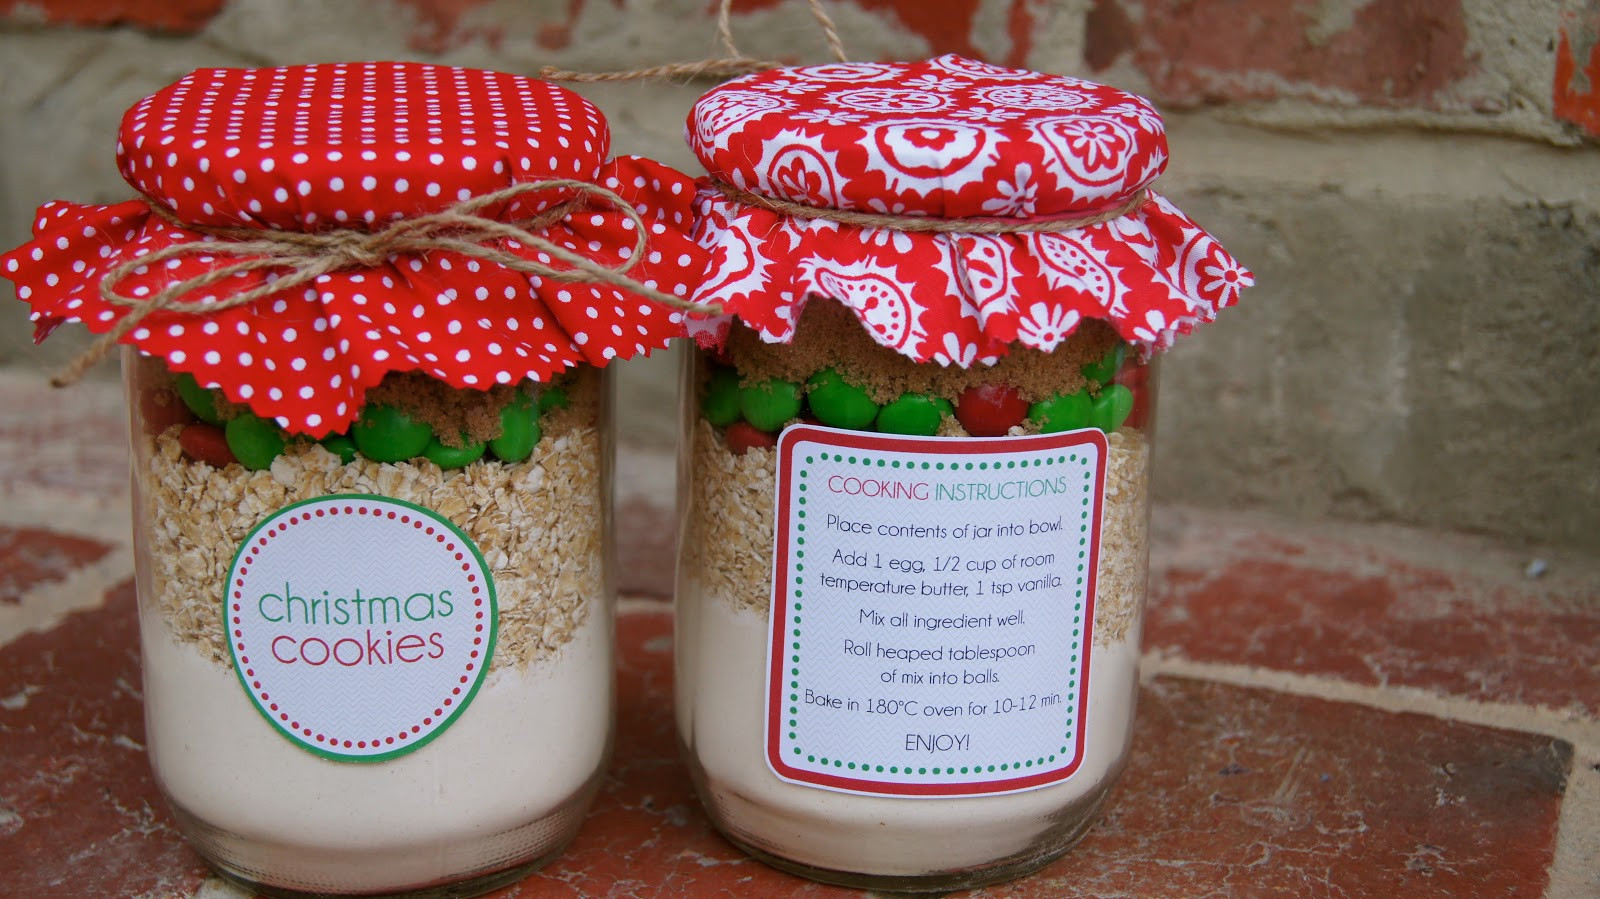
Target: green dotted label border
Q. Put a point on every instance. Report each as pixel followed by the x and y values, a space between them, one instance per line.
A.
pixel 492 615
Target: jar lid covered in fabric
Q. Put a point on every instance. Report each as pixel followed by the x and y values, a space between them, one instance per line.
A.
pixel 254 155
pixel 955 206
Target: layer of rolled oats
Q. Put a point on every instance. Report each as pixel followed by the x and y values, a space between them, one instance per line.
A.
pixel 731 520
pixel 539 525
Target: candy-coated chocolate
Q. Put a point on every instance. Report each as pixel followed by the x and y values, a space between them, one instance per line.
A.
pixel 915 414
pixel 769 404
pixel 1111 408
pixel 838 403
pixel 720 404
pixel 385 434
pixel 1104 369
pixel 990 410
pixel 519 432
pixel 206 443
pixel 742 437
pixel 202 402
pixel 255 441
pixel 161 408
pixel 1137 379
pixel 1062 412
pixel 453 456
pixel 340 445
pixel 553 397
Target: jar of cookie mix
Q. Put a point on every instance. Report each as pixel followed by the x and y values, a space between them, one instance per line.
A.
pixel 916 461
pixel 371 455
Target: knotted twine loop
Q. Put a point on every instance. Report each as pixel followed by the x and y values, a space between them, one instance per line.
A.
pixel 930 224
pixel 308 256
pixel 732 65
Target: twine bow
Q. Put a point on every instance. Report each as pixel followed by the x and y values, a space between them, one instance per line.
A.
pixel 303 257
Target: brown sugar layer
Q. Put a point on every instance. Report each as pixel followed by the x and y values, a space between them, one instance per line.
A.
pixel 539 524
pixel 457 416
pixel 829 335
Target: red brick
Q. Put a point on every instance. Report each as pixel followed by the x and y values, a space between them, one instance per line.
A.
pixel 947 26
pixel 1400 53
pixel 1228 791
pixel 160 15
pixel 1364 613
pixel 1239 792
pixel 646 537
pixel 32 556
pixel 81 815
pixel 1577 76
pixel 441 27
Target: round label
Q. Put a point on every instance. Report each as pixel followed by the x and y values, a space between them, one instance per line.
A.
pixel 360 626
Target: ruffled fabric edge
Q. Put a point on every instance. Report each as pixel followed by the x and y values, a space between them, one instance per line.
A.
pixel 964 299
pixel 306 359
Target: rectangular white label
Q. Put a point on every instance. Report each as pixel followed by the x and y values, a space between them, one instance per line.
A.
pixel 932 607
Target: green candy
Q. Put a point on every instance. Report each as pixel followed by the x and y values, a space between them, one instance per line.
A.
pixel 1062 412
pixel 837 403
pixel 385 434
pixel 255 441
pixel 720 405
pixel 1111 408
pixel 769 404
pixel 453 456
pixel 553 398
pixel 202 402
pixel 340 445
pixel 519 432
pixel 1105 369
pixel 916 414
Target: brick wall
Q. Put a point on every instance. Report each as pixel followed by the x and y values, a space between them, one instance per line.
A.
pixel 1414 182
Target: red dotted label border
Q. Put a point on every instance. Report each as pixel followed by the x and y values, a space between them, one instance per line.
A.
pixel 284 719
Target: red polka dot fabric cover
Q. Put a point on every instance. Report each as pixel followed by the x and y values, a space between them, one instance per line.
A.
pixel 953 138
pixel 359 145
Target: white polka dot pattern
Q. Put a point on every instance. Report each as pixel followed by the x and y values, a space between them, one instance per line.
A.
pixel 308 357
pixel 303 147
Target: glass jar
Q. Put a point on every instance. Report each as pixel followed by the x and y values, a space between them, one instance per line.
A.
pixel 908 566
pixel 323 784
pixel 366 309
pixel 915 460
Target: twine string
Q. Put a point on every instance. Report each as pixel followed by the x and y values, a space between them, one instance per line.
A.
pixel 931 224
pixel 732 64
pixel 829 32
pixel 299 258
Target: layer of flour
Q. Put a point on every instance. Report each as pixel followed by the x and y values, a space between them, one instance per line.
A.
pixel 721 708
pixel 531 738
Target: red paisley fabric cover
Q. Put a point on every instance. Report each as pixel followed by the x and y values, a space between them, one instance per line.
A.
pixel 358 144
pixel 953 138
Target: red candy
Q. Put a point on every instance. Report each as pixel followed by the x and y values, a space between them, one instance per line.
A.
pixel 743 437
pixel 1134 378
pixel 206 443
pixel 990 410
pixel 161 408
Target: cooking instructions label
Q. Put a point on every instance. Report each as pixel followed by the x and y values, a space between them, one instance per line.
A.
pixel 932 606
pixel 360 626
